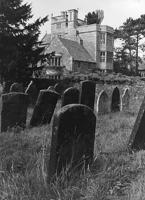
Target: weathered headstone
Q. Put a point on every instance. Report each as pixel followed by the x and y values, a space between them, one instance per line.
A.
pixel 115 101
pixel 125 100
pixel 33 92
pixel 102 103
pixel 16 87
pixel 14 110
pixel 87 94
pixel 70 96
pixel 72 143
pixel 137 137
pixel 44 107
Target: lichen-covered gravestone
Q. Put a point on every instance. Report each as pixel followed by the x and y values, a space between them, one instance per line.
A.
pixel 102 103
pixel 125 100
pixel 32 91
pixel 70 96
pixel 87 94
pixel 72 143
pixel 14 110
pixel 44 107
pixel 115 101
pixel 16 87
pixel 137 138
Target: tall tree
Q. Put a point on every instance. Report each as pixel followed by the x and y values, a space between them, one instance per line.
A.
pixel 131 33
pixel 95 17
pixel 19 40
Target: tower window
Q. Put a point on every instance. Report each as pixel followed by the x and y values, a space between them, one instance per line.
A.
pixel 102 56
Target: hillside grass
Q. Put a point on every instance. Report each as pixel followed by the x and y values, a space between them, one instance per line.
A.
pixel 115 174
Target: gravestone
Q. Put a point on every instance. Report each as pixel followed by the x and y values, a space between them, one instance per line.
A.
pixel 51 88
pixel 137 137
pixel 32 91
pixel 14 110
pixel 70 96
pixel 103 103
pixel 16 87
pixel 44 107
pixel 72 143
pixel 115 101
pixel 125 100
pixel 87 94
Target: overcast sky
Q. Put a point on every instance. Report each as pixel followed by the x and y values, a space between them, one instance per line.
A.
pixel 115 11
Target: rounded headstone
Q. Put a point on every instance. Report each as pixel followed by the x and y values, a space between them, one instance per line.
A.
pixel 14 110
pixel 115 100
pixel 44 107
pixel 102 103
pixel 16 87
pixel 70 96
pixel 73 137
pixel 87 94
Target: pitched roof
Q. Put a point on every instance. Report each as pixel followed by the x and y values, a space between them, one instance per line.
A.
pixel 77 51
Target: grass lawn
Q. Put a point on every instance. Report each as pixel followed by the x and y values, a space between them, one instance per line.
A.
pixel 115 173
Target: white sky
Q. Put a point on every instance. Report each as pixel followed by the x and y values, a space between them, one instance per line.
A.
pixel 115 11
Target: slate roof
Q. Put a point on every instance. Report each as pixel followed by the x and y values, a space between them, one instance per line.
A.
pixel 77 51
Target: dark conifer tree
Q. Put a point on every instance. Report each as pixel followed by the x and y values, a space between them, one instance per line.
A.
pixel 20 48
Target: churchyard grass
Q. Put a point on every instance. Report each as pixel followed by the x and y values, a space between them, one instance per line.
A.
pixel 115 174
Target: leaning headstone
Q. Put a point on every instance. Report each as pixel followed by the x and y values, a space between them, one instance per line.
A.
pixel 87 94
pixel 72 143
pixel 16 87
pixel 70 96
pixel 137 138
pixel 44 107
pixel 125 100
pixel 115 101
pixel 14 110
pixel 32 91
pixel 103 103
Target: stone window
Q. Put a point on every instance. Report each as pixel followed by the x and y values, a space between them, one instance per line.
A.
pixel 102 38
pixel 102 56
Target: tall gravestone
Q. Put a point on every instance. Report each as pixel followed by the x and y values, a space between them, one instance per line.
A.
pixel 137 137
pixel 87 94
pixel 14 110
pixel 70 96
pixel 115 100
pixel 32 91
pixel 102 103
pixel 72 143
pixel 16 87
pixel 125 100
pixel 44 107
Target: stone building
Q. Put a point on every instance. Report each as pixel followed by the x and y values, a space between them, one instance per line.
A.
pixel 79 47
